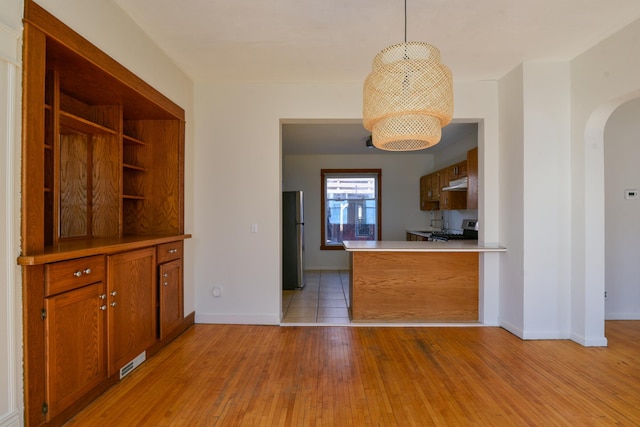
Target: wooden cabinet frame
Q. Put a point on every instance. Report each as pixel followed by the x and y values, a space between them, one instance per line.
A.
pixel 433 198
pixel 102 174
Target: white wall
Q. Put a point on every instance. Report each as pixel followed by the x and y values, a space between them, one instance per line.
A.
pixel 547 213
pixel 622 216
pixel 535 175
pixel 239 184
pixel 511 107
pixel 400 197
pixel 602 78
pixel 463 144
pixel 10 302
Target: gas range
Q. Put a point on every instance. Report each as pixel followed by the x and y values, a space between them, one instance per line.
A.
pixel 469 232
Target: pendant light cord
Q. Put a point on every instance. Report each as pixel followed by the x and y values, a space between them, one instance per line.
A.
pixel 405 21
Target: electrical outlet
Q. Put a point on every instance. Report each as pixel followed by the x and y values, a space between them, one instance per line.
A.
pixel 630 194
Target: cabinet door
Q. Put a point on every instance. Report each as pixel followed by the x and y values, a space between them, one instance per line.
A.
pixel 75 356
pixel 437 182
pixel 132 305
pixel 425 189
pixel 170 290
pixel 472 173
pixel 458 170
pixel 453 200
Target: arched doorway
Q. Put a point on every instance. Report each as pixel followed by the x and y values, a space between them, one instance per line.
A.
pixel 588 291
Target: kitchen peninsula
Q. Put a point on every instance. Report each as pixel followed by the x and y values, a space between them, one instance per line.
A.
pixel 413 281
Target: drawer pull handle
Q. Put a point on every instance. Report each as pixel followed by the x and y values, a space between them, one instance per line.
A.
pixel 113 304
pixel 103 307
pixel 173 251
pixel 165 283
pixel 81 272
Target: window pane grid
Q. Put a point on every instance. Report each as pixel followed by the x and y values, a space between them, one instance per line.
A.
pixel 351 208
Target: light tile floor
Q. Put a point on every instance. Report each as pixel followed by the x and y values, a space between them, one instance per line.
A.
pixel 324 299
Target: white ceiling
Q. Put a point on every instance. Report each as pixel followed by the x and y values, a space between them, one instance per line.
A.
pixel 336 40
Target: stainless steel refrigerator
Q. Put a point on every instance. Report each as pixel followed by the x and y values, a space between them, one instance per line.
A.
pixel 292 239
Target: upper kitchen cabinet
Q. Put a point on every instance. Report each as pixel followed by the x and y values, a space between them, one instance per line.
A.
pixel 432 195
pixel 430 190
pixel 472 178
pixel 457 171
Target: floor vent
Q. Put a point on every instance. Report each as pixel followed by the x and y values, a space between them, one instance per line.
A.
pixel 133 364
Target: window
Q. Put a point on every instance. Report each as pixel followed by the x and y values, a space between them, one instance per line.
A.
pixel 350 206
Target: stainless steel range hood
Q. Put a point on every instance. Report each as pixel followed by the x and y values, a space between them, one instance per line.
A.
pixel 457 185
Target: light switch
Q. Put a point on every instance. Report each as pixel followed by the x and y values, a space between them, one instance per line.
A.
pixel 254 228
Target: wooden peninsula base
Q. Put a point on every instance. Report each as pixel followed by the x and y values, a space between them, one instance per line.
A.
pixel 414 282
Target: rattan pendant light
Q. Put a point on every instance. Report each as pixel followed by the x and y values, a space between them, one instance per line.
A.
pixel 408 97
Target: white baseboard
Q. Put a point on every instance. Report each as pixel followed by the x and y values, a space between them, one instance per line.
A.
pixel 589 341
pixel 622 316
pixel 534 335
pixel 237 319
pixel 511 328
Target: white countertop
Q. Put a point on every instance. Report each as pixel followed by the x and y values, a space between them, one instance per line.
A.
pixel 410 246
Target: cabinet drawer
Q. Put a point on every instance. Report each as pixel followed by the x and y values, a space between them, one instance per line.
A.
pixel 66 275
pixel 169 251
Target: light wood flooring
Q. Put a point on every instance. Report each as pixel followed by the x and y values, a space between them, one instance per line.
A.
pixel 324 299
pixel 246 375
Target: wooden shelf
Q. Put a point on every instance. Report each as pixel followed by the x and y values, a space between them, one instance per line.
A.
pixel 133 167
pixel 132 197
pixel 75 124
pixel 132 140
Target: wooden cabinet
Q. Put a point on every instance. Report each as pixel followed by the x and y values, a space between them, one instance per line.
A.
pixel 75 349
pixel 425 186
pixel 430 191
pixel 170 296
pixel 453 200
pixel 102 189
pixel 457 171
pixel 170 289
pixel 412 237
pixel 132 305
pixel 472 179
pixel 433 198
pixel 436 185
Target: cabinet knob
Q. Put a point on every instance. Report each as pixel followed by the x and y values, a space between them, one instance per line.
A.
pixel 113 304
pixel 173 251
pixel 165 275
pixel 165 283
pixel 103 307
pixel 103 296
pixel 113 293
pixel 81 272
